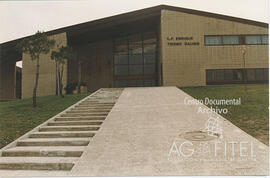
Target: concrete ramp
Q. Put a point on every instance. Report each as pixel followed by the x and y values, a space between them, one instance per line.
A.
pixel 142 130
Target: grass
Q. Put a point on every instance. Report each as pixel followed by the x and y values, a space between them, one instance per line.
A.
pixel 251 116
pixel 18 117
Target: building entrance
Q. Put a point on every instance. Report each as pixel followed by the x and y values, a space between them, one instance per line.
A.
pixel 135 60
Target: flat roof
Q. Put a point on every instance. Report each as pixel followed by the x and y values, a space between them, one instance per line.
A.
pixel 138 14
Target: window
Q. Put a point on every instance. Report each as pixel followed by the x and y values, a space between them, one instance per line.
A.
pixel 135 83
pixel 121 69
pixel 266 74
pixel 149 69
pixel 220 75
pixel 259 74
pixel 121 83
pixel 230 40
pixel 135 44
pixel 210 75
pixel 236 76
pixel 251 75
pixel 120 59
pixel 149 82
pixel 136 69
pixel 121 46
pixel 253 39
pixel 264 39
pixel 236 40
pixel 135 60
pixel 213 40
pixel 228 75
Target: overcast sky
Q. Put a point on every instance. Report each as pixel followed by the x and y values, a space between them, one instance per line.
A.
pixel 22 18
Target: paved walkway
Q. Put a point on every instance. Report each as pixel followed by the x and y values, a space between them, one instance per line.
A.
pixel 151 132
pixel 140 131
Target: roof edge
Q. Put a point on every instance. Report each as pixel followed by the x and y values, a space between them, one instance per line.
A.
pixel 215 15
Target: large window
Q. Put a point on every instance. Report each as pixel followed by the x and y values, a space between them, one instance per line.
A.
pixel 215 40
pixel 231 76
pixel 135 60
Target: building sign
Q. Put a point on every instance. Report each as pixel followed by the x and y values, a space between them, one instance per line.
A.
pixel 182 41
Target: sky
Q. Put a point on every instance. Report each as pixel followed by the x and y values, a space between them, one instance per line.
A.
pixel 22 18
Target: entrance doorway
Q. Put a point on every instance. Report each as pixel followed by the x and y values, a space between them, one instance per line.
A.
pixel 135 60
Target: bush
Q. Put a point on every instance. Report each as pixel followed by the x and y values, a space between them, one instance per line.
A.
pixel 72 86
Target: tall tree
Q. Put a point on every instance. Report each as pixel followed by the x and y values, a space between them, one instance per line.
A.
pixel 60 56
pixel 79 75
pixel 35 46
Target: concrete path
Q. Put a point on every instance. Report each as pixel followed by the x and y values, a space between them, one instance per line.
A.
pixel 152 132
pixel 140 131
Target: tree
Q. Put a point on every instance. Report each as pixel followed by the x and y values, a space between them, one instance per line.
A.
pixel 35 46
pixel 60 56
pixel 79 75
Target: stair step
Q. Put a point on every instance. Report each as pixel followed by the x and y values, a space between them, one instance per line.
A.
pixel 80 118
pixel 28 151
pixel 84 114
pixel 35 163
pixel 92 102
pixel 96 105
pixel 88 111
pixel 67 128
pixel 62 134
pixel 54 142
pixel 91 107
pixel 67 123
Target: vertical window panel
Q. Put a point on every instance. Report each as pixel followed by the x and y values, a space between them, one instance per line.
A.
pixel 213 40
pixel 266 74
pixel 149 82
pixel 121 46
pixel 120 59
pixel 136 59
pixel 219 75
pixel 265 39
pixel 228 74
pixel 121 83
pixel 237 75
pixel 253 39
pixel 259 74
pixel 135 44
pixel 136 69
pixel 251 75
pixel 230 40
pixel 149 58
pixel 149 69
pixel 210 75
pixel 121 69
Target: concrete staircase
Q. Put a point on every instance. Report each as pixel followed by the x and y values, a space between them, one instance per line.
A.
pixel 59 142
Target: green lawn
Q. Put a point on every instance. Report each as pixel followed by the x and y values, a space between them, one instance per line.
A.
pixel 18 117
pixel 251 116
